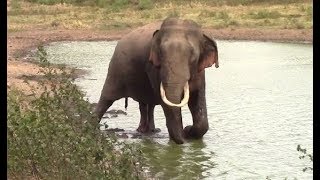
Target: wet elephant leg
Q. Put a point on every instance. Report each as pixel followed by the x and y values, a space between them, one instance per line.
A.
pixel 146 124
pixel 174 123
pixel 198 108
pixel 150 123
pixel 151 119
pixel 143 117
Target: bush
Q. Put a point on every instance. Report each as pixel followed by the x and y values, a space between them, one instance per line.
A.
pixel 53 135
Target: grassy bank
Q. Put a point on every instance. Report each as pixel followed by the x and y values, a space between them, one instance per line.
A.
pixel 53 135
pixel 122 14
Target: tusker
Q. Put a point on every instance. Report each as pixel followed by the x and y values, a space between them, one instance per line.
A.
pixel 163 64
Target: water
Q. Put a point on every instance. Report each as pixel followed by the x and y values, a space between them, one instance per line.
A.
pixel 259 108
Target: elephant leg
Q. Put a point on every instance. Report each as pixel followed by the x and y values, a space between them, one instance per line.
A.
pixel 102 106
pixel 143 118
pixel 151 119
pixel 150 123
pixel 146 124
pixel 198 108
pixel 174 123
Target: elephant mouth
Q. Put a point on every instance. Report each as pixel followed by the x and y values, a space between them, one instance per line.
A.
pixel 183 102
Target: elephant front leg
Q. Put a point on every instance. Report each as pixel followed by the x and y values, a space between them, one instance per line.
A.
pixel 174 123
pixel 198 109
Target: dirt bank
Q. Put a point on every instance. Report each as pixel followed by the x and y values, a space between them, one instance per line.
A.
pixel 21 43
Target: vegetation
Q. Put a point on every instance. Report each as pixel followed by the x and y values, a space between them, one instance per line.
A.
pixel 306 155
pixel 50 135
pixel 120 14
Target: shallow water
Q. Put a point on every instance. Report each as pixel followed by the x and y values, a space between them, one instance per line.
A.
pixel 259 108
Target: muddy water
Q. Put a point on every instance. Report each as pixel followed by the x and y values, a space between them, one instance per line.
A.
pixel 259 109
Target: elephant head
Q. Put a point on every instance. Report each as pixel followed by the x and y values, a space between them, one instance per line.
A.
pixel 181 51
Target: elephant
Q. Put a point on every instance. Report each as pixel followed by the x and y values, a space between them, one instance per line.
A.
pixel 162 63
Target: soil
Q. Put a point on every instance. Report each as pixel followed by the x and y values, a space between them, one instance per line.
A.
pixel 20 44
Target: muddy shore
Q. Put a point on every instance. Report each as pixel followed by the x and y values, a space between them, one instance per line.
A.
pixel 20 44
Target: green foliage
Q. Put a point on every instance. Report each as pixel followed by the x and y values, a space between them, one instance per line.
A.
pixel 305 155
pixel 53 135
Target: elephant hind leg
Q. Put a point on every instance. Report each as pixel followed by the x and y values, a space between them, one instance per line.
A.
pixel 143 117
pixel 146 124
pixel 151 119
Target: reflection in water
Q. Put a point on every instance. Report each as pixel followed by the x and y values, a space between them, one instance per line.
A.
pixel 259 104
pixel 179 161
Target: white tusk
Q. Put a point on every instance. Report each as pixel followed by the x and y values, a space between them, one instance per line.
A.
pixel 184 100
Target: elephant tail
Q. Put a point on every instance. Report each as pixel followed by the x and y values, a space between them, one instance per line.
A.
pixel 126 103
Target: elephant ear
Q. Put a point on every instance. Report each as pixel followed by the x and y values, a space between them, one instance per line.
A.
pixel 209 56
pixel 154 55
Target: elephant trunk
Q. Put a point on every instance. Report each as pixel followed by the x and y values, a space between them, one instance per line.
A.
pixel 171 94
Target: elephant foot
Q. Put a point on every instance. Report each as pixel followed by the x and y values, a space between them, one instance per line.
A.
pixel 176 136
pixel 156 130
pixel 178 140
pixel 147 130
pixel 190 132
pixel 187 132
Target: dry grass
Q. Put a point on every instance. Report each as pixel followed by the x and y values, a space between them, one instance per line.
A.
pixel 23 15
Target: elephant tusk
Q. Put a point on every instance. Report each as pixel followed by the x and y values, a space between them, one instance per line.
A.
pixel 184 100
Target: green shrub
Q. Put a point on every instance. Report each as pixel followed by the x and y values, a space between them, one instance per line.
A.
pixel 53 135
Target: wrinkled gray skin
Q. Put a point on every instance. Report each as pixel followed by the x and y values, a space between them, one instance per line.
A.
pixel 172 52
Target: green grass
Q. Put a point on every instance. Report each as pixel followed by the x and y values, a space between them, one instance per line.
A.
pixel 145 4
pixel 265 14
pixel 148 2
pixel 122 14
pixel 53 135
